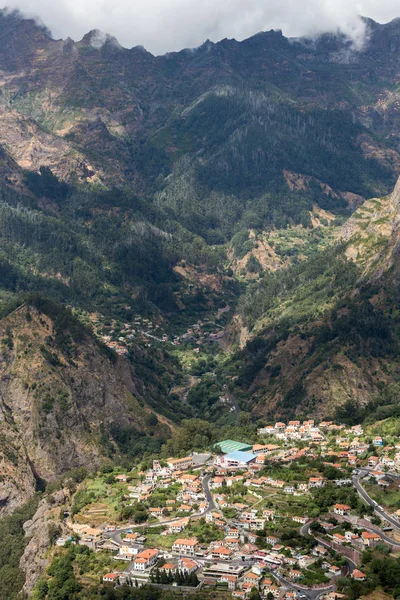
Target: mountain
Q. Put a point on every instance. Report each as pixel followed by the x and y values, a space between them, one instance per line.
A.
pixel 324 333
pixel 209 235
pixel 214 136
pixel 218 187
pixel 65 402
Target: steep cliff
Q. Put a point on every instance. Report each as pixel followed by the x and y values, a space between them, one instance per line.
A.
pixel 61 396
pixel 372 235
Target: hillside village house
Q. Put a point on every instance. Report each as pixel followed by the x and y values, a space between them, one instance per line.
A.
pixel 222 553
pixel 231 580
pixel 358 575
pixel 251 578
pixel 185 546
pixel 145 559
pixel 169 568
pixel 268 514
pixel 341 509
pixel 268 430
pixel 178 526
pixel 316 482
pixel 187 565
pixel 126 550
pixel 111 578
pixel 264 449
pixel 180 464
pixel 301 520
pixel 370 539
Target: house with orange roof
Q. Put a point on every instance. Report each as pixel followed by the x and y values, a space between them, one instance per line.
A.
pixel 217 482
pixel 185 546
pixel 169 568
pixel 370 539
pixel 295 574
pixel 145 559
pixel 231 580
pixel 188 565
pixel 178 526
pixel 156 512
pixel 180 464
pixel 111 578
pixel 316 482
pixel 301 520
pixel 239 594
pixel 358 575
pixel 260 460
pixel 251 578
pixel 268 514
pixel 341 509
pixel 222 552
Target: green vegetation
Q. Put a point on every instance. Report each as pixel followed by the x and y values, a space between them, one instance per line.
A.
pixel 383 572
pixel 12 545
pixel 179 578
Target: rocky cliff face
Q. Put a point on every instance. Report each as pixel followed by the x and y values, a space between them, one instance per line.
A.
pixel 39 531
pixel 372 235
pixel 57 406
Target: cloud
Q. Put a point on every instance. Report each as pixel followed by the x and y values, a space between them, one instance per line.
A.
pixel 167 25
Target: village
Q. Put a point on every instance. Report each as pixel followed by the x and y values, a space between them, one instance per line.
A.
pixel 288 516
pixel 119 336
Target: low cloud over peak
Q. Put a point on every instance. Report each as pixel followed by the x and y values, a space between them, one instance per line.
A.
pixel 167 25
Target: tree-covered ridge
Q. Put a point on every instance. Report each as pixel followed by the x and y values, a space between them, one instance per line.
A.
pixel 306 289
pixel 93 245
pixel 322 336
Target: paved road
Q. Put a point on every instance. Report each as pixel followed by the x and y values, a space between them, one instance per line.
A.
pixel 307 593
pixel 379 511
pixel 209 497
pixel 310 594
pixel 305 530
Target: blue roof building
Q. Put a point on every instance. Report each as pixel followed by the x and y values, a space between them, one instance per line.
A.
pixel 237 459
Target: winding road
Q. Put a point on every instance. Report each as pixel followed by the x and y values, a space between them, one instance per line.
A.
pixel 377 509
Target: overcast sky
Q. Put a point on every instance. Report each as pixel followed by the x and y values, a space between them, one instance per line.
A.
pixel 167 25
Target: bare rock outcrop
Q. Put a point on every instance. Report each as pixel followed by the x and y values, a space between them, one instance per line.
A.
pixel 39 530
